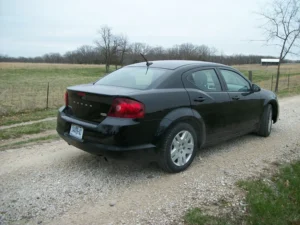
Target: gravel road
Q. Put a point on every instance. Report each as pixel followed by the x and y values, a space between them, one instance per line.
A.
pixel 55 183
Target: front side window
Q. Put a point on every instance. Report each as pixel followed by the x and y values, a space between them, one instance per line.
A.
pixel 133 77
pixel 234 81
pixel 205 80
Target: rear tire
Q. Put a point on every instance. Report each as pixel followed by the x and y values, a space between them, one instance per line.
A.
pixel 178 148
pixel 266 122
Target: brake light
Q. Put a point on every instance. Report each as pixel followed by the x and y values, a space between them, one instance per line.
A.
pixel 126 108
pixel 66 99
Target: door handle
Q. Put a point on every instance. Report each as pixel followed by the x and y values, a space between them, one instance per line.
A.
pixel 236 98
pixel 199 99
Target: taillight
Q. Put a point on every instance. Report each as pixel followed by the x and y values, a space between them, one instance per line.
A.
pixel 66 99
pixel 126 108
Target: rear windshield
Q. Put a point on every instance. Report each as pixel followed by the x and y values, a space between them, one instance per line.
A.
pixel 133 77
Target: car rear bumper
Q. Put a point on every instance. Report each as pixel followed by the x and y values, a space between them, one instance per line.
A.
pixel 97 148
pixel 101 139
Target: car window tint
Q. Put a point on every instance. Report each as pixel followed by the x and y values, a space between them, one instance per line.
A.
pixel 133 77
pixel 234 81
pixel 205 80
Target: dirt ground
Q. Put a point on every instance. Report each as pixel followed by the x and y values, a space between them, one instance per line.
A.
pixel 55 183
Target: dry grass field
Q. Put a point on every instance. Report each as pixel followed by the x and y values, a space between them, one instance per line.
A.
pixel 262 73
pixel 23 86
pixel 285 68
pixel 289 82
pixel 16 65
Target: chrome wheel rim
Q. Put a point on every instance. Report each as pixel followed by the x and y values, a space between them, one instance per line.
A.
pixel 182 148
pixel 270 122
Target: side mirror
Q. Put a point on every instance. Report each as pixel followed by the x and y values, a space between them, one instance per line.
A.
pixel 255 88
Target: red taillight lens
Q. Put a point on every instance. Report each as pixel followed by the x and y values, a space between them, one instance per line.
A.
pixel 66 99
pixel 126 108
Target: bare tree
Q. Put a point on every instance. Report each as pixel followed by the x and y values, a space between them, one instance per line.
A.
pixel 105 45
pixel 282 28
pixel 135 49
pixel 138 47
pixel 187 51
pixel 114 51
pixel 156 53
pixel 121 42
pixel 173 52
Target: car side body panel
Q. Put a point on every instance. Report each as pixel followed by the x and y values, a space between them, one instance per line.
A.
pixel 165 107
pixel 168 101
pixel 212 106
pixel 246 106
pixel 270 97
pixel 183 115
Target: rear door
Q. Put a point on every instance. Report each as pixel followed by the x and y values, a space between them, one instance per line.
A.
pixel 246 106
pixel 210 100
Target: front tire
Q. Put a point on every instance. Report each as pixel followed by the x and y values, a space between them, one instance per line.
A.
pixel 178 148
pixel 266 122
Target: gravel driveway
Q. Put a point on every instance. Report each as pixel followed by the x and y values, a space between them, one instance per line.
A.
pixel 57 184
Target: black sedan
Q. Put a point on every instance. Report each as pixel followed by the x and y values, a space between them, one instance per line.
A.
pixel 170 108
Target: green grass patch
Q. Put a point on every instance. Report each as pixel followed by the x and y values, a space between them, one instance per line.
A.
pixel 29 141
pixel 19 131
pixel 273 201
pixel 277 201
pixel 197 217
pixel 27 116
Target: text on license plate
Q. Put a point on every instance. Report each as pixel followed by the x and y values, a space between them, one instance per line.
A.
pixel 76 131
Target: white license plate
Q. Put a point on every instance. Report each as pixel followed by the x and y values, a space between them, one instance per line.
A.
pixel 76 131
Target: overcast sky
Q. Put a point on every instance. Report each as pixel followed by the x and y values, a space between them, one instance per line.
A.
pixel 36 27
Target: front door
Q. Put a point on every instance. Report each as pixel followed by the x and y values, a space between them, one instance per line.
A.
pixel 246 106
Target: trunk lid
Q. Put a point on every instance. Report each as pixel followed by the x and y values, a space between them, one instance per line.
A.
pixel 92 102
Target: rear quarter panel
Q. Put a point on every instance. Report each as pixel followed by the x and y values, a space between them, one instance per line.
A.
pixel 164 107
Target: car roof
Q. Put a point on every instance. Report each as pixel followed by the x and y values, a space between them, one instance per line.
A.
pixel 174 64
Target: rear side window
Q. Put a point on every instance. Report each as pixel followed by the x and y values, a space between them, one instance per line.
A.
pixel 206 80
pixel 133 77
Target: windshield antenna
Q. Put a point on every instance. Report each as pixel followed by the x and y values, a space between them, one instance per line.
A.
pixel 147 62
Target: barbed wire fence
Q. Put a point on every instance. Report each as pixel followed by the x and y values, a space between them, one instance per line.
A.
pixel 287 83
pixel 26 96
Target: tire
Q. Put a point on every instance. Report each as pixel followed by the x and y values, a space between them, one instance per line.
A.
pixel 183 154
pixel 266 122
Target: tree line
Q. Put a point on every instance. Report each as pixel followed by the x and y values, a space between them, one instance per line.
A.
pixel 111 49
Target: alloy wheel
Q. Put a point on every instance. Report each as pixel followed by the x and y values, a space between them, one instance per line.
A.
pixel 182 148
pixel 270 122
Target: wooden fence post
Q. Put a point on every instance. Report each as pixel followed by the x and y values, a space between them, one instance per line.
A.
pixel 47 95
pixel 288 82
pixel 272 83
pixel 12 94
pixel 250 75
